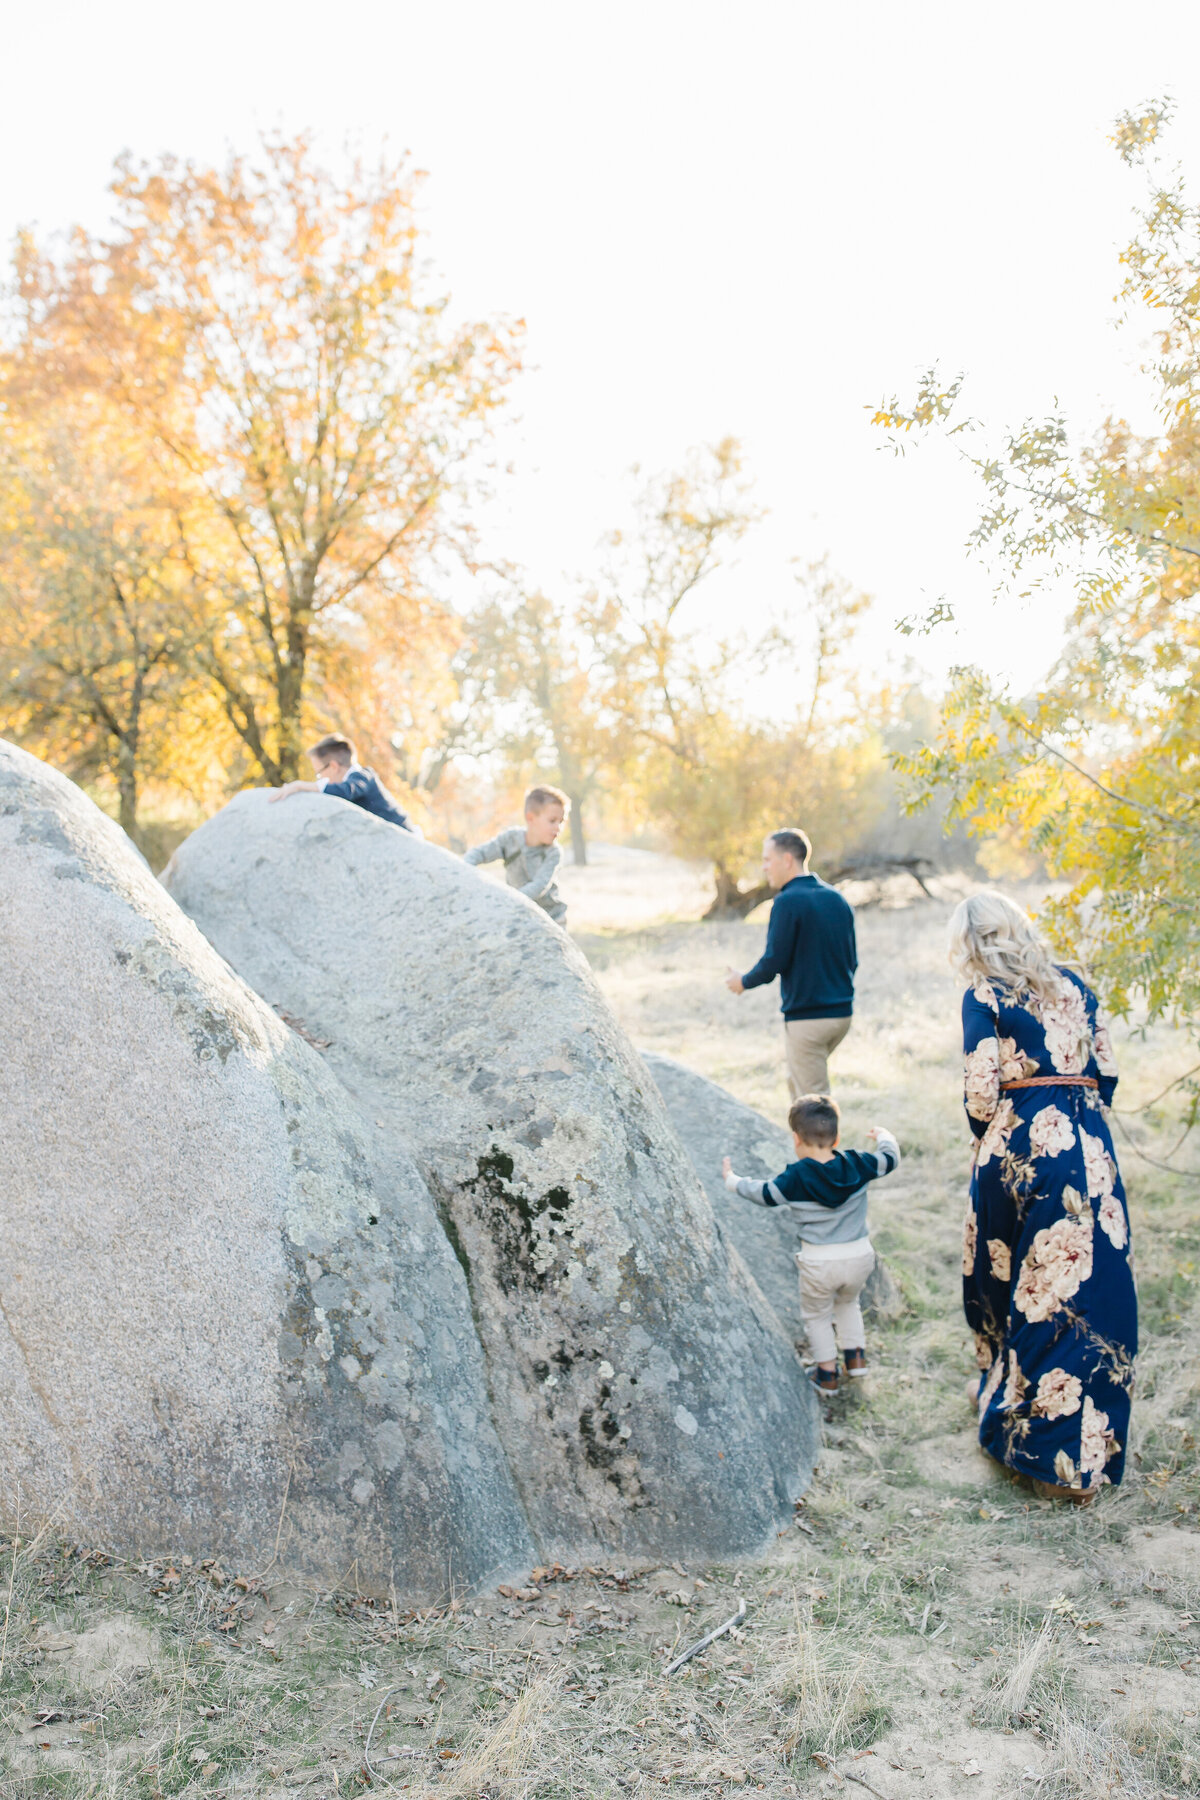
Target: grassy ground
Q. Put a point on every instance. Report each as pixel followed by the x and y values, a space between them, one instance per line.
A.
pixel 926 1627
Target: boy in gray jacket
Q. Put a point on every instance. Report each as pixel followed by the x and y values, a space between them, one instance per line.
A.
pixel 531 857
pixel 826 1189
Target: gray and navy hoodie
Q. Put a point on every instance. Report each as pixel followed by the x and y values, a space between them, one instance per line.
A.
pixel 828 1199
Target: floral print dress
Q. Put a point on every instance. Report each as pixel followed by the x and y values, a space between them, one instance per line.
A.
pixel 1047 1278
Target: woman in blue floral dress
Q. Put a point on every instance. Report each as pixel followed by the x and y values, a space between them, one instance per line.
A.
pixel 1047 1281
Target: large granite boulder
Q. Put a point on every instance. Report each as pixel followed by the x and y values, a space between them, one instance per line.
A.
pixel 712 1125
pixel 648 1399
pixel 225 1324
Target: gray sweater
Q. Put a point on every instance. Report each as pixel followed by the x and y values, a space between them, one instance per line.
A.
pixel 828 1199
pixel 528 867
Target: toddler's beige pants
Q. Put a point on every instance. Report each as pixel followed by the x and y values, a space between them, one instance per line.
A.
pixel 829 1290
pixel 810 1043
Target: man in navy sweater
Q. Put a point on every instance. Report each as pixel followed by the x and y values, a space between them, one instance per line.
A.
pixel 811 947
pixel 340 774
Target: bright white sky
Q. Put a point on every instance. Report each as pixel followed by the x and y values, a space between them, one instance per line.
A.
pixel 750 218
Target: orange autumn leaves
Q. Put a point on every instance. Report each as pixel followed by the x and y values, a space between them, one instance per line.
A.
pixel 235 434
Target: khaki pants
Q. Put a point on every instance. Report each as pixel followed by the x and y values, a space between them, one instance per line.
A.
pixel 829 1291
pixel 809 1044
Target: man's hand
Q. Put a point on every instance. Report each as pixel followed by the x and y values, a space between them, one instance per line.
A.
pixel 873 1135
pixel 727 1167
pixel 294 787
pixel 733 982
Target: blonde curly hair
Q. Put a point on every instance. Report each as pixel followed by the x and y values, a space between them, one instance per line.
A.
pixel 992 939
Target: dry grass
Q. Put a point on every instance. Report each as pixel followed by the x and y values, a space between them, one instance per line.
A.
pixel 924 1620
pixel 833 1704
pixel 1140 1753
pixel 1029 1671
pixel 516 1753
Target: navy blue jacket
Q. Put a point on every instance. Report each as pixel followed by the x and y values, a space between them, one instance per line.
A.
pixel 364 788
pixel 809 1182
pixel 810 946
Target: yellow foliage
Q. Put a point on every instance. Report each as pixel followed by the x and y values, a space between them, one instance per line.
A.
pixel 306 421
pixel 97 617
pixel 1099 776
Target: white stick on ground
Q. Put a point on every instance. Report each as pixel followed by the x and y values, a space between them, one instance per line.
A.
pixel 687 1656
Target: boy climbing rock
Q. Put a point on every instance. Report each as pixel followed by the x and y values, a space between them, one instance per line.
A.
pixel 531 855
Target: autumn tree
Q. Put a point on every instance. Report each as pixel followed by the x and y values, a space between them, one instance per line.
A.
pixel 665 683
pixel 267 328
pixel 1100 771
pixel 714 774
pixel 587 689
pixel 97 631
pixel 817 762
pixel 684 525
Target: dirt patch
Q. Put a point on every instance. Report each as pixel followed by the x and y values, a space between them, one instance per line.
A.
pixel 1170 1551
pixel 92 1658
pixel 1133 1690
pixel 956 1764
pixel 1024 1575
pixel 114 1647
pixel 85 1669
pixel 955 1460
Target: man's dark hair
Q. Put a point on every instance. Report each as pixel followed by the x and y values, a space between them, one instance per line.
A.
pixel 815 1119
pixel 793 842
pixel 334 747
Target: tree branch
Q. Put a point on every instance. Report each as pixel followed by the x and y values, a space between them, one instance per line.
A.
pixel 1152 812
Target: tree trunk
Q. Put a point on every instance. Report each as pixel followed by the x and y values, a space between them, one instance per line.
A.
pixel 289 686
pixel 578 841
pixel 127 786
pixel 290 690
pixel 732 901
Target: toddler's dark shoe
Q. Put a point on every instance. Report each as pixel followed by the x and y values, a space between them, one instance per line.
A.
pixel 824 1380
pixel 856 1362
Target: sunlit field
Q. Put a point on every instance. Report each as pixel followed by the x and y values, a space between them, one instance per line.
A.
pixel 925 1628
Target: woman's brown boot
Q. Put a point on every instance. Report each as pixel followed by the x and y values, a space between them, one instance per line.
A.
pixel 1050 1490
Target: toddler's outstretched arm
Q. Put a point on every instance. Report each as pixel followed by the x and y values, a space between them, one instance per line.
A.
pixel 764 1192
pixel 887 1150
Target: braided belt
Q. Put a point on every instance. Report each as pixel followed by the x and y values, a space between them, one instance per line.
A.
pixel 1088 1081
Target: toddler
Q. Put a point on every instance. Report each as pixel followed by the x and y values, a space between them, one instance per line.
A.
pixel 827 1190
